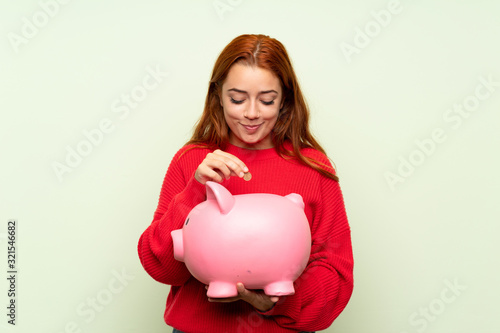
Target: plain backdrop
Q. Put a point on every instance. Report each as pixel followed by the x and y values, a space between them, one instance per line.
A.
pixel 97 96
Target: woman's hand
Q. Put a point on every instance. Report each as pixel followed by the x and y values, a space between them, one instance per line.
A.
pixel 258 300
pixel 218 166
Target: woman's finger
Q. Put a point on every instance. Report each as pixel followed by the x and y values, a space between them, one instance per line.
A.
pixel 218 166
pixel 234 163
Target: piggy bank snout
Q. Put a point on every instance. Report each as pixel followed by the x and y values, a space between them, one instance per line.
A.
pixel 178 244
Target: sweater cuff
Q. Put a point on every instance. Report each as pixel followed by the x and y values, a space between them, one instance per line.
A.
pixel 284 306
pixel 268 312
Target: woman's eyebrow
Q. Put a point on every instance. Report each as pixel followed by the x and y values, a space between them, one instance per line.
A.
pixel 268 91
pixel 237 90
pixel 244 92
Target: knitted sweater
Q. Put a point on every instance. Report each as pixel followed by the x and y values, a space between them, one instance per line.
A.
pixel 321 292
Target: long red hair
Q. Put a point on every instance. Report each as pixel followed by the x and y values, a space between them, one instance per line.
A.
pixel 293 120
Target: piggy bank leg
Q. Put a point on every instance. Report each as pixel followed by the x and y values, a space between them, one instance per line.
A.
pixel 221 289
pixel 280 288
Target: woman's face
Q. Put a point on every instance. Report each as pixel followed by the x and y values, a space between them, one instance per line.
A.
pixel 251 98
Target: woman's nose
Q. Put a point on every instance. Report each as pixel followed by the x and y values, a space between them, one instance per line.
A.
pixel 252 111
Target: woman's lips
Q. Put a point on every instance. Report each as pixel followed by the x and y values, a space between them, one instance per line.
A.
pixel 251 128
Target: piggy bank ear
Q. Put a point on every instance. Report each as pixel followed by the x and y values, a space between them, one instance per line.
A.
pixel 296 199
pixel 224 198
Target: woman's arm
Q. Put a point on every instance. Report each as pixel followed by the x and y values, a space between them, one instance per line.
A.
pixel 179 194
pixel 183 188
pixel 325 287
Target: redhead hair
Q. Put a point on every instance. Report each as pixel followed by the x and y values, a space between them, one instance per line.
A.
pixel 293 119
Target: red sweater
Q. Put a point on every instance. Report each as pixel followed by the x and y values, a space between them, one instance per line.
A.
pixel 321 292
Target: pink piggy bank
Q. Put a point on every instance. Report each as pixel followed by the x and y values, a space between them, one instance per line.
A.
pixel 261 240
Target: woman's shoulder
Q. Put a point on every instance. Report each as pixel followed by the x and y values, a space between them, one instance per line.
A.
pixel 319 158
pixel 190 152
pixel 314 154
pixel 306 151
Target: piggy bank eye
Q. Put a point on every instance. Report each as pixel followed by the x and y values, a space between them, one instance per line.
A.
pixel 187 221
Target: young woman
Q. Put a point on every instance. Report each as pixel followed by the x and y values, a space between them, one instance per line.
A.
pixel 255 122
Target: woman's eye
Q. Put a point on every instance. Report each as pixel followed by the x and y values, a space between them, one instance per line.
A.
pixel 268 102
pixel 236 101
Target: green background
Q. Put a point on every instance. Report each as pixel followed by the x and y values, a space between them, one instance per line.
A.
pixel 435 227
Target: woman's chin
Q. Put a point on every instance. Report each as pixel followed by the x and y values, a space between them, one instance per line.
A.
pixel 252 143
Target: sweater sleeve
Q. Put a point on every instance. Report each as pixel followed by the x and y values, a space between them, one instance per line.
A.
pixel 325 287
pixel 179 194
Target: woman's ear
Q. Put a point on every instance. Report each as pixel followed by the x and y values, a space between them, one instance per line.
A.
pixel 221 195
